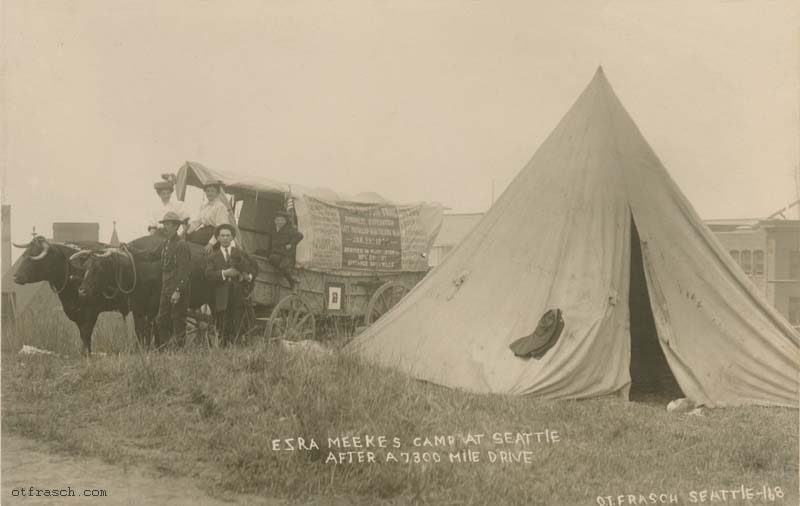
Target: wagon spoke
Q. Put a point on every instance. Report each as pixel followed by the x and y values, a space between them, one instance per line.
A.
pixel 305 327
pixel 384 299
pixel 291 319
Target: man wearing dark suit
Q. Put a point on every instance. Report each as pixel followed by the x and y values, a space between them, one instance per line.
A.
pixel 176 265
pixel 230 270
pixel 284 238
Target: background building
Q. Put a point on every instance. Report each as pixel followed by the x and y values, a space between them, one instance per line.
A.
pixel 768 251
pixel 455 227
pixel 64 232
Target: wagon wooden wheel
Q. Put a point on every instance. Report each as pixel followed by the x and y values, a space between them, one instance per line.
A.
pixel 200 329
pixel 292 320
pixel 384 299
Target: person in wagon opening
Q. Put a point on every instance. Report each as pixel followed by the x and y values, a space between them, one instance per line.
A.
pixel 212 214
pixel 284 239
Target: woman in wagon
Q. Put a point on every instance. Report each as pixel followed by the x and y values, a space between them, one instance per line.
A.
pixel 284 239
pixel 165 189
pixel 212 214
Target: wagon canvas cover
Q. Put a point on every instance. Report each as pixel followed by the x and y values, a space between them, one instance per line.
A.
pixel 363 232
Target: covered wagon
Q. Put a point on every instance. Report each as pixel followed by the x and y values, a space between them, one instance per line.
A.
pixel 360 253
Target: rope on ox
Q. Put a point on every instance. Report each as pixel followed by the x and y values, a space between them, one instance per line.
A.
pixel 58 291
pixel 130 290
pixel 118 275
pixel 66 279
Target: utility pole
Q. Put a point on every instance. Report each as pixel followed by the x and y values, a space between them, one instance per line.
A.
pixel 6 233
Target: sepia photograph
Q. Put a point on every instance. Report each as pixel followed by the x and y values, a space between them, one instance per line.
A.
pixel 429 252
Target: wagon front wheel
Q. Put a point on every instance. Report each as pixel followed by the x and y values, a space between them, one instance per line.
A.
pixel 384 299
pixel 292 320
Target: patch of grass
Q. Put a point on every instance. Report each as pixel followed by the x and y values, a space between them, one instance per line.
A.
pixel 50 329
pixel 213 415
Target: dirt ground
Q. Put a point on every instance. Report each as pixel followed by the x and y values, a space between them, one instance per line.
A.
pixel 30 464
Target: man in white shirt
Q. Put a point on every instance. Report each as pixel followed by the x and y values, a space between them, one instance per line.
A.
pixel 165 189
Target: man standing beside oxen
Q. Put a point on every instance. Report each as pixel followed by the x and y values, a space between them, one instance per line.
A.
pixel 230 270
pixel 176 259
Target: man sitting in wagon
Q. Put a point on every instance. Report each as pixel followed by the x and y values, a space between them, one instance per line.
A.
pixel 284 238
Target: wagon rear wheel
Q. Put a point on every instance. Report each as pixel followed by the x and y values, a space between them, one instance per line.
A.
pixel 292 320
pixel 200 329
pixel 384 299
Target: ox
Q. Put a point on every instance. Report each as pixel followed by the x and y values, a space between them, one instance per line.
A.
pixel 129 271
pixel 45 261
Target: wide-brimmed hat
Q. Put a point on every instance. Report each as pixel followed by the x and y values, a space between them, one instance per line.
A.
pixel 224 226
pixel 281 213
pixel 172 216
pixel 163 185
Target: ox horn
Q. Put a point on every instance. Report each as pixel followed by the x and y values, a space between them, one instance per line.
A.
pixel 21 246
pixel 104 254
pixel 77 256
pixel 45 248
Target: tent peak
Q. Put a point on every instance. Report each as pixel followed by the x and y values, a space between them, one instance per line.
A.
pixel 599 75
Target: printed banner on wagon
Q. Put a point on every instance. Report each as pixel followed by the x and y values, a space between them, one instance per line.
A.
pixel 367 237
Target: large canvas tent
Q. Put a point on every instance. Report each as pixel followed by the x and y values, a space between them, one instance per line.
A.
pixel 592 204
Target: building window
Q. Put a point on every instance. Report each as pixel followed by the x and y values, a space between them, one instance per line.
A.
pixel 794 265
pixel 735 255
pixel 758 262
pixel 747 261
pixel 794 310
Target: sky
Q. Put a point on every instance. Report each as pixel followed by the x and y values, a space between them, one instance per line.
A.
pixel 415 100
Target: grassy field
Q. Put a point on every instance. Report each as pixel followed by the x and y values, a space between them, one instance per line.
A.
pixel 50 329
pixel 214 415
